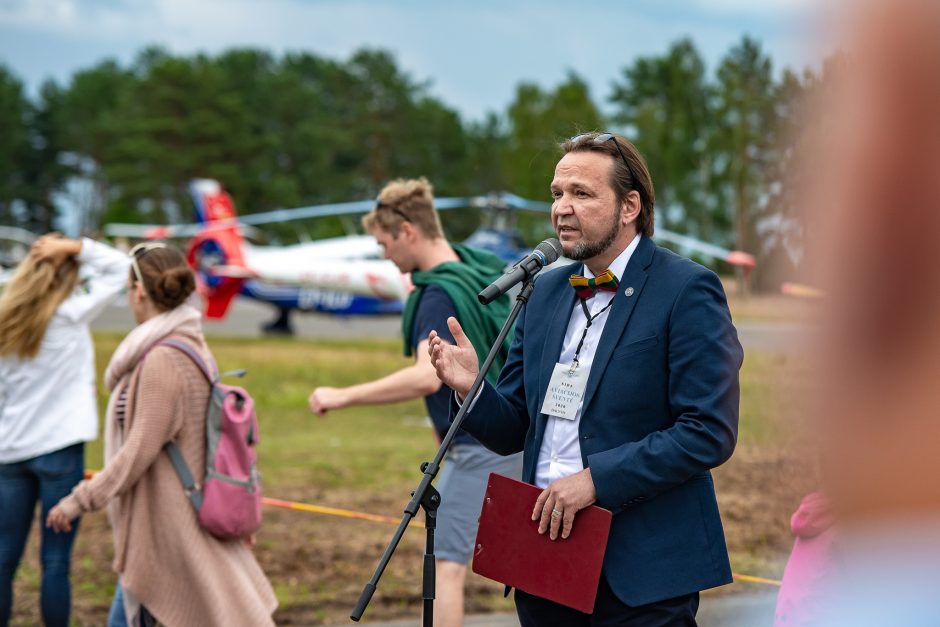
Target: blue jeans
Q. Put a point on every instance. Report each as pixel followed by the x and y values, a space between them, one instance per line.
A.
pixel 118 618
pixel 47 479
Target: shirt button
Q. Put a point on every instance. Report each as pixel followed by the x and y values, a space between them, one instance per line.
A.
pixel 554 458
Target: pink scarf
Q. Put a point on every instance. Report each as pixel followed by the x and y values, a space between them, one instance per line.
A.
pixel 185 320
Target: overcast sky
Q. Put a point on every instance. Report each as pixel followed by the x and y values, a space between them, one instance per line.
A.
pixel 473 53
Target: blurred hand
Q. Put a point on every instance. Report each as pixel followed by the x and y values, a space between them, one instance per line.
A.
pixel 324 399
pixel 55 249
pixel 58 521
pixel 456 365
pixel 561 500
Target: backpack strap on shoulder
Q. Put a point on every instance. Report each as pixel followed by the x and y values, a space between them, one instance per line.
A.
pixel 192 490
pixel 190 352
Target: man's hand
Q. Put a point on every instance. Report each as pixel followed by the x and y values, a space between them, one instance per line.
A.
pixel 456 366
pixel 324 399
pixel 561 500
pixel 58 521
pixel 54 249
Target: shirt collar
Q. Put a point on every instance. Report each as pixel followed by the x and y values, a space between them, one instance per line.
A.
pixel 619 265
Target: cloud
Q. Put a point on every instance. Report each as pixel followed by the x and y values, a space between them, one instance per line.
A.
pixel 761 7
pixel 77 18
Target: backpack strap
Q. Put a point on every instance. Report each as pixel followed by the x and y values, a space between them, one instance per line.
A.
pixel 192 354
pixel 192 490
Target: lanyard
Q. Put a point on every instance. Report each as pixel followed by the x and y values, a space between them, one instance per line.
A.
pixel 590 320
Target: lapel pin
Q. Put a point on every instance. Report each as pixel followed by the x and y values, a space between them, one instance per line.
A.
pixel 628 291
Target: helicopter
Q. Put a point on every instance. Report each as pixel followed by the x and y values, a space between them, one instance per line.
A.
pixel 344 276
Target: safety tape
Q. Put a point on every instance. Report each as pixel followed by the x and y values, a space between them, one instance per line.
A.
pixel 389 520
pixel 333 511
pixel 319 509
pixel 751 579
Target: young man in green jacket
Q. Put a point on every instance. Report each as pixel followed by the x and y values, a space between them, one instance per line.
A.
pixel 447 278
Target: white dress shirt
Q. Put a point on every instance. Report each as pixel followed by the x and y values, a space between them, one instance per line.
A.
pixel 560 453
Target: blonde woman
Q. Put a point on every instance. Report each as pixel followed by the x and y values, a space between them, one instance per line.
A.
pixel 171 570
pixel 48 406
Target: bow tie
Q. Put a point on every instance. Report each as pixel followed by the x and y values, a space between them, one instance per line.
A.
pixel 585 288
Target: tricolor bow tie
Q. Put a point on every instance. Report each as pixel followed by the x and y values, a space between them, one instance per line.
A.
pixel 585 288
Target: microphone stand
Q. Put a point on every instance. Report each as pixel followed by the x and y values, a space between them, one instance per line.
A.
pixel 425 495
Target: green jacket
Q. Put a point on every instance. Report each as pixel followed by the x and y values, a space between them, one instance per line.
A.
pixel 462 281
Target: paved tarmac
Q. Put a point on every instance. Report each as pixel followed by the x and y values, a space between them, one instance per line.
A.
pixel 744 609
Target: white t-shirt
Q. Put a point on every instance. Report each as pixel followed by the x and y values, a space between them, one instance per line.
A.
pixel 49 402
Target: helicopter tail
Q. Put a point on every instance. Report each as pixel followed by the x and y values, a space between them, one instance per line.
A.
pixel 217 252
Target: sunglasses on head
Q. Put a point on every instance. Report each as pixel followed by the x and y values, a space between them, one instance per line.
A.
pixel 398 212
pixel 600 139
pixel 139 251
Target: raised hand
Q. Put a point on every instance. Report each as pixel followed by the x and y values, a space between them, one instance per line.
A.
pixel 55 249
pixel 456 365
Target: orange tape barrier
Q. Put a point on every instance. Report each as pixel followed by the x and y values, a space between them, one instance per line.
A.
pixel 333 511
pixel 388 520
pixel 750 579
pixel 319 509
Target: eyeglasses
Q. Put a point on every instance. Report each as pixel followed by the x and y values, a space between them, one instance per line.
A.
pixel 602 138
pixel 142 249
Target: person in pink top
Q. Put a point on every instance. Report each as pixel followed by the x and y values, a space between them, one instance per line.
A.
pixel 807 574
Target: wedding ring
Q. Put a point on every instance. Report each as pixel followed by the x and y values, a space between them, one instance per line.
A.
pixel 555 513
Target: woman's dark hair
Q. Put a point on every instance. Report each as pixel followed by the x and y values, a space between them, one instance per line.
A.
pixel 167 278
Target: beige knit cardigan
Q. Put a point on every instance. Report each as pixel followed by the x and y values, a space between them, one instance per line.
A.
pixel 183 575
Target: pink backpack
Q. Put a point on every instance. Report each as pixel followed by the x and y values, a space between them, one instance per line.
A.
pixel 228 504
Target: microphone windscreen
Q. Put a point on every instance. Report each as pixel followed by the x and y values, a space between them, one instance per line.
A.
pixel 551 248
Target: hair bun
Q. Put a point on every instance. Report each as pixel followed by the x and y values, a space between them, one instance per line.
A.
pixel 173 286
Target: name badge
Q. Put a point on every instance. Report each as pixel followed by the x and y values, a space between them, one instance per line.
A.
pixel 565 391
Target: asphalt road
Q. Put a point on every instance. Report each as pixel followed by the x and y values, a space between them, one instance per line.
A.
pixel 745 609
pixel 246 318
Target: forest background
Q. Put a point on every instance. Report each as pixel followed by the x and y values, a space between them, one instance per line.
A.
pixel 119 143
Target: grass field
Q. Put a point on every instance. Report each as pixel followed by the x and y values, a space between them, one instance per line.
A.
pixel 367 459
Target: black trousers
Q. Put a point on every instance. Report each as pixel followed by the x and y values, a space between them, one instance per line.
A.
pixel 608 611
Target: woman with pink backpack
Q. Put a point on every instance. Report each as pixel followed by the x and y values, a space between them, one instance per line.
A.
pixel 171 569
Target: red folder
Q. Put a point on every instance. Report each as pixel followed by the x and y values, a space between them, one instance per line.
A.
pixel 510 550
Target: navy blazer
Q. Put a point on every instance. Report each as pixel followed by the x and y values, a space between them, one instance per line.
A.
pixel 660 410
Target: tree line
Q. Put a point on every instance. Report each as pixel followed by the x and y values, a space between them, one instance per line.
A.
pixel 119 144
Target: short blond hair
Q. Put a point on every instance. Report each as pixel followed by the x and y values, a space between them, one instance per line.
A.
pixel 405 200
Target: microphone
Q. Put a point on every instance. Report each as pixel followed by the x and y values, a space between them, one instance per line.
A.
pixel 544 254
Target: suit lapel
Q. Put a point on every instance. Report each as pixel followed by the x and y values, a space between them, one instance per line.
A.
pixel 555 334
pixel 633 277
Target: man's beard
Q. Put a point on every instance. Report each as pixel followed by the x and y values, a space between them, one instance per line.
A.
pixel 589 249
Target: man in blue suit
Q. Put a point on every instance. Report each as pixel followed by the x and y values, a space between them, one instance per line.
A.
pixel 621 389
